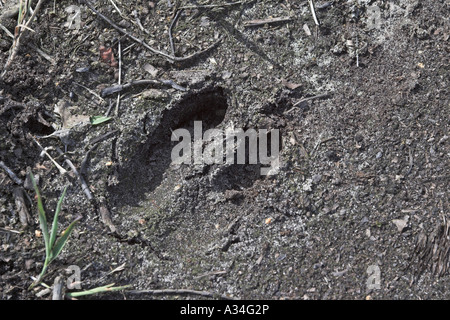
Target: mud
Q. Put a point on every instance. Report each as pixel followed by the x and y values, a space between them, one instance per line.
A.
pixel 359 207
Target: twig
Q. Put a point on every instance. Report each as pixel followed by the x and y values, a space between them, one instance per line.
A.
pixel 183 291
pixel 313 12
pixel 119 87
pixel 42 53
pixel 261 22
pixel 212 273
pixel 102 137
pixel 84 163
pixel 61 169
pixel 11 174
pixel 324 5
pixel 172 25
pixel 120 77
pixel 115 7
pixel 206 6
pixel 108 112
pixel 83 183
pixel 90 91
pixel 6 31
pixel 169 57
pixel 357 51
pixel 139 24
pixel 11 231
pixel 320 96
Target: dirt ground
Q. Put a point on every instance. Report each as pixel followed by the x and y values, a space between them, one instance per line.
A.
pixel 358 210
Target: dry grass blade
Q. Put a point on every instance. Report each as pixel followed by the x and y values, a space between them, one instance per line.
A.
pixel 20 31
pixel 106 288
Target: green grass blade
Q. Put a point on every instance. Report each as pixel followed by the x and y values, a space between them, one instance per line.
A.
pixel 42 217
pixel 59 245
pixel 106 288
pixel 19 18
pixel 95 120
pixel 55 219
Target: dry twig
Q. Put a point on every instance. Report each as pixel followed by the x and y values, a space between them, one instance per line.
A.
pixel 61 169
pixel 11 174
pixel 261 22
pixel 120 87
pixel 83 183
pixel 313 12
pixel 172 25
pixel 206 6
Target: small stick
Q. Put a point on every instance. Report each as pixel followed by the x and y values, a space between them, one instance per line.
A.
pixel 61 169
pixel 42 53
pixel 90 91
pixel 84 185
pixel 324 5
pixel 183 291
pixel 261 22
pixel 172 25
pixel 212 5
pixel 109 109
pixel 212 273
pixel 6 31
pixel 115 7
pixel 120 77
pixel 313 12
pixel 84 163
pixel 119 87
pixel 357 52
pixel 8 230
pixel 102 137
pixel 320 96
pixel 11 174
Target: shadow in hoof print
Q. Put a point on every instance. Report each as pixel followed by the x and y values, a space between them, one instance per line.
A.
pixel 145 171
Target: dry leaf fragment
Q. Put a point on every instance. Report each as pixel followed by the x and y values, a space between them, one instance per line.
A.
pixel 290 85
pixel 401 223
